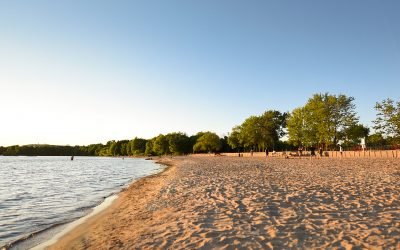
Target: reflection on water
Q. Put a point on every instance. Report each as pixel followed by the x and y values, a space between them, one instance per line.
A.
pixel 37 192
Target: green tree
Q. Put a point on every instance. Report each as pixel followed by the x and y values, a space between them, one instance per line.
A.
pixel 376 140
pixel 387 121
pixel 272 125
pixel 353 134
pixel 259 132
pixel 122 147
pixel 161 145
pixel 250 132
pixel 328 116
pixel 149 147
pixel 179 143
pixel 208 142
pixel 137 146
pixel 234 138
pixel 12 150
pixel 225 145
pixel 297 128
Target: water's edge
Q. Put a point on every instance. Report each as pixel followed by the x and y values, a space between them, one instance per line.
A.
pixel 44 238
pixel 48 236
pixel 70 226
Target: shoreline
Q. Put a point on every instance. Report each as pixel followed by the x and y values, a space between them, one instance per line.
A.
pixel 48 236
pixel 72 225
pixel 98 211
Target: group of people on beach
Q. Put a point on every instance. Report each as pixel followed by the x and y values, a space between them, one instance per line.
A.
pixel 299 152
pixel 312 151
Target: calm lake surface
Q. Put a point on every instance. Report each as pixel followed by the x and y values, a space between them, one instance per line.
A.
pixel 39 192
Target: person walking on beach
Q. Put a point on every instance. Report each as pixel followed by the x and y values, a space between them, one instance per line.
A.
pixel 320 152
pixel 251 152
pixel 300 151
pixel 266 152
pixel 312 149
pixel 341 150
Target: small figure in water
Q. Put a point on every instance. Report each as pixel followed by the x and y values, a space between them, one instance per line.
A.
pixel 72 158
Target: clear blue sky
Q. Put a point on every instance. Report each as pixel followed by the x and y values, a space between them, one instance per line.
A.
pixel 80 72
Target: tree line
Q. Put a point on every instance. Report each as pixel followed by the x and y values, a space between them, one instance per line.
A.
pixel 176 143
pixel 325 120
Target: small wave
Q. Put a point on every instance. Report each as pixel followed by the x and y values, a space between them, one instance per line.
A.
pixel 24 238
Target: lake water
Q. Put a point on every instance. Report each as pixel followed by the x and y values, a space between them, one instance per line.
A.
pixel 39 192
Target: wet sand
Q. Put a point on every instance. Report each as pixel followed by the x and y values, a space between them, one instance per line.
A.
pixel 232 202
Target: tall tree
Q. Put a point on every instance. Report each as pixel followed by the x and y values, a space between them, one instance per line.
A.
pixel 328 116
pixel 353 134
pixel 251 132
pixel 137 146
pixel 387 121
pixel 271 124
pixel 298 133
pixel 208 142
pixel 161 145
pixel 149 147
pixel 179 143
pixel 259 132
pixel 234 138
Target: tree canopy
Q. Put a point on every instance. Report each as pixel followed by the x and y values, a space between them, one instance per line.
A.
pixel 387 121
pixel 259 132
pixel 207 142
pixel 323 120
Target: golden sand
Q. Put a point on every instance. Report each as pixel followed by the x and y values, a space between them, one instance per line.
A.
pixel 253 203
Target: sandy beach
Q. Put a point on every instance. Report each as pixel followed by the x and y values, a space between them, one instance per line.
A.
pixel 224 202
